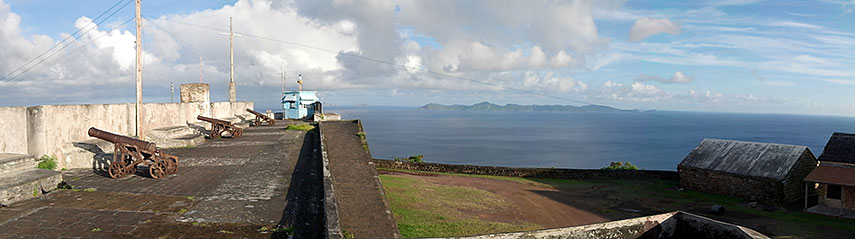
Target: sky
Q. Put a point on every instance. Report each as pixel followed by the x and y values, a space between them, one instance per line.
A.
pixel 792 57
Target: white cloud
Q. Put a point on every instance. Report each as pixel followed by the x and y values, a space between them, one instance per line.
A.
pixel 678 77
pixel 646 27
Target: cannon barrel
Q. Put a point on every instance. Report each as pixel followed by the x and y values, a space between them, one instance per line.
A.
pixel 212 120
pixel 115 138
pixel 256 113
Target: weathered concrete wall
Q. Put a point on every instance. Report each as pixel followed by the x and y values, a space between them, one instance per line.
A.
pixel 666 226
pixel 561 173
pixel 195 92
pixel 330 204
pixel 13 128
pixel 750 188
pixel 50 127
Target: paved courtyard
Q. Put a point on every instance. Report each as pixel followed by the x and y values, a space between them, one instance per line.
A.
pixel 264 184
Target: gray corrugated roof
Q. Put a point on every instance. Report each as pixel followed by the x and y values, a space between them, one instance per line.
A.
pixel 744 158
pixel 840 148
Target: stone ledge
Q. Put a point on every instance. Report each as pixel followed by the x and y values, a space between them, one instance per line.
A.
pixel 11 163
pixel 27 184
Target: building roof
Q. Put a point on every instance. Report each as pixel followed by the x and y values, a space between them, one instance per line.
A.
pixel 744 158
pixel 833 175
pixel 840 148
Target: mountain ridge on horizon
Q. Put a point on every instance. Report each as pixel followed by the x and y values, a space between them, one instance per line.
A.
pixel 487 106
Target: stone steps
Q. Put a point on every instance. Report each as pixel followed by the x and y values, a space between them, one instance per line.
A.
pixel 10 163
pixel 21 180
pixel 177 136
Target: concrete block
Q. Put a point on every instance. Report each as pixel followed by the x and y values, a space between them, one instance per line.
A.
pixel 12 163
pixel 195 92
pixel 23 185
pixel 93 153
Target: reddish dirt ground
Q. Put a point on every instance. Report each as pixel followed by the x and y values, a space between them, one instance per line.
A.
pixel 530 205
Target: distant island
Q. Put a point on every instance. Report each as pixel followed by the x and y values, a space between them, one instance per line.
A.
pixel 487 106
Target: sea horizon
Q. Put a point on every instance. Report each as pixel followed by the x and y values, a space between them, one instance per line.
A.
pixel 589 140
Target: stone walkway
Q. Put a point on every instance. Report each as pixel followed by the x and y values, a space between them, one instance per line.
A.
pixel 262 185
pixel 362 207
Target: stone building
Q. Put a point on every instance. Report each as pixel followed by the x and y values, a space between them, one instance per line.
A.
pixel 765 172
pixel 834 178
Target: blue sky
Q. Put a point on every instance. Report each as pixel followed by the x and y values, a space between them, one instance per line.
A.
pixel 731 56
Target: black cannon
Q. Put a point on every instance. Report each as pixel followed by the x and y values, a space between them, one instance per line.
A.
pixel 259 118
pixel 130 152
pixel 218 127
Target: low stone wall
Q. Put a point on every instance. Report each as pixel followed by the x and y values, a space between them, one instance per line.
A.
pixel 331 220
pixel 667 225
pixel 749 188
pixel 560 173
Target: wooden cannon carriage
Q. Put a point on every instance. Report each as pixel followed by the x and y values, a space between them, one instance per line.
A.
pixel 259 118
pixel 130 152
pixel 218 127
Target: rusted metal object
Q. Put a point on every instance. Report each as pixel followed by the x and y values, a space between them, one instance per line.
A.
pixel 130 152
pixel 218 127
pixel 259 118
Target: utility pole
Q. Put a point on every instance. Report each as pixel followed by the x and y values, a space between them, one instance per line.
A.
pixel 231 63
pixel 138 108
pixel 200 69
pixel 172 89
pixel 283 80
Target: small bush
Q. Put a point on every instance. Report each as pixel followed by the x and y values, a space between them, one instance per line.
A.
pixel 412 159
pixel 301 127
pixel 47 162
pixel 621 166
pixel 362 138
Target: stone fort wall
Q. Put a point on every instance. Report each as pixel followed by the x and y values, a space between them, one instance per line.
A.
pixel 560 173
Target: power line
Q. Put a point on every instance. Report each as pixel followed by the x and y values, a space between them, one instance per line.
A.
pixel 82 46
pixel 192 47
pixel 414 68
pixel 9 79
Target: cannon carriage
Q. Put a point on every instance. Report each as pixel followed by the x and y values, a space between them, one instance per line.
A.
pixel 130 152
pixel 218 127
pixel 261 118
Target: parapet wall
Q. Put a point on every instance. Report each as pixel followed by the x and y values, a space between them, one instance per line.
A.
pixel 13 130
pixel 670 225
pixel 560 173
pixel 45 129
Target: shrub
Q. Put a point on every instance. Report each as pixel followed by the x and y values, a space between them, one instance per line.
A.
pixel 47 162
pixel 412 159
pixel 621 166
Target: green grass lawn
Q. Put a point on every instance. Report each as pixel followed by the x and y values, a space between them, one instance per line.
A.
pixel 425 209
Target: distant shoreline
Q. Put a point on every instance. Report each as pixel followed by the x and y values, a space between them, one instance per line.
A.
pixel 487 106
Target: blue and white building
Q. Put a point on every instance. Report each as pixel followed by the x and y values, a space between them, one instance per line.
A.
pixel 299 104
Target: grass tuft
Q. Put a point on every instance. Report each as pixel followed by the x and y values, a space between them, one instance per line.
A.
pixel 301 127
pixel 47 162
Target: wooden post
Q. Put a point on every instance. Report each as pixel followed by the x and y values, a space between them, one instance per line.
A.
pixel 138 108
pixel 806 195
pixel 231 63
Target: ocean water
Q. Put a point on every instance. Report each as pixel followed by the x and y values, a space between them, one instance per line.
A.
pixel 656 140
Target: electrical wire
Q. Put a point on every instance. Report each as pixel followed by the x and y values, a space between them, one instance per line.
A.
pixel 7 80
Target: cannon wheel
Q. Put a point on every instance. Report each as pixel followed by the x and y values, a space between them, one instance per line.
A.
pixel 117 167
pixel 157 168
pixel 171 163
